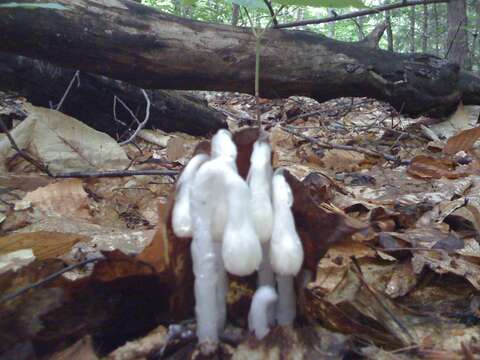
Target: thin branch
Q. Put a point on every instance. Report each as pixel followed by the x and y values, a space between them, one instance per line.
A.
pixel 76 76
pixel 140 125
pixel 354 14
pixel 50 277
pixel 380 302
pixel 108 174
pixel 23 153
pixel 340 146
pixel 272 13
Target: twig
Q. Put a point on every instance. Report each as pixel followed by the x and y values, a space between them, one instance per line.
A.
pixel 50 277
pixel 142 124
pixel 380 302
pixel 272 13
pixel 22 153
pixel 354 14
pixel 341 147
pixel 76 76
pixel 119 173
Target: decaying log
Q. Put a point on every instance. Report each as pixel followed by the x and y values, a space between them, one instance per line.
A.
pixel 138 44
pixel 91 100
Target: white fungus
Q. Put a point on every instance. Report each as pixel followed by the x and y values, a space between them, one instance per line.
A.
pixel 286 251
pixel 263 302
pixel 259 180
pixel 223 234
pixel 181 219
pixel 242 252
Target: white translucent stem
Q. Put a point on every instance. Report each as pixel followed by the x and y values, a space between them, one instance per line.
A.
pixel 204 268
pixel 181 216
pixel 266 277
pixel 242 252
pixel 222 287
pixel 259 321
pixel 259 180
pixel 286 306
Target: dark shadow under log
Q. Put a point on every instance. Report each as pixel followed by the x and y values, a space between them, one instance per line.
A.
pixel 91 100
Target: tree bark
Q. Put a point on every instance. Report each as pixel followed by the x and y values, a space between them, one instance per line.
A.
pixel 142 46
pixel 91 100
pixel 412 29
pixel 425 29
pixel 388 20
pixel 235 14
pixel 436 30
pixel 457 44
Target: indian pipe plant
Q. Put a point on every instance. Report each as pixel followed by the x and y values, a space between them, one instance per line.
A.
pixel 242 226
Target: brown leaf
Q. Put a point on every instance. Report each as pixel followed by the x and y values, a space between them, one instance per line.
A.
pixel 318 226
pixel 462 141
pixel 63 198
pixel 45 244
pixel 81 350
pixel 427 167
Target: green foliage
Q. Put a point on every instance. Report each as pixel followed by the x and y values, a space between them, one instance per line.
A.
pixel 50 6
pixel 335 4
pixel 251 4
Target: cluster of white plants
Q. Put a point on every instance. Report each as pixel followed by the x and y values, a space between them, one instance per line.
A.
pixel 238 227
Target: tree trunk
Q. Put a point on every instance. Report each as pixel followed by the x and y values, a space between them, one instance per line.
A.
pixel 476 37
pixel 425 29
pixel 436 30
pixel 235 14
pixel 388 20
pixel 142 46
pixel 412 29
pixel 457 45
pixel 91 100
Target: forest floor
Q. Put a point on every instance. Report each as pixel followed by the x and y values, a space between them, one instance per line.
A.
pixel 387 207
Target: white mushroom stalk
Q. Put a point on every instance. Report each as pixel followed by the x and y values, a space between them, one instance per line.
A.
pixel 181 219
pixel 223 233
pixel 263 303
pixel 286 251
pixel 260 182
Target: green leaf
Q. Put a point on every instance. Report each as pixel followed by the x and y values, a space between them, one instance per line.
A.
pixel 188 2
pixel 251 4
pixel 51 6
pixel 324 3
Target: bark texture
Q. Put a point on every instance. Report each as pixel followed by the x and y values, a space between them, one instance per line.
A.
pixel 91 100
pixel 457 44
pixel 125 40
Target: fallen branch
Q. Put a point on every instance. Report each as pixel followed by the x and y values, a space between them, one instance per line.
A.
pixel 341 147
pixel 359 13
pixel 114 173
pixel 50 277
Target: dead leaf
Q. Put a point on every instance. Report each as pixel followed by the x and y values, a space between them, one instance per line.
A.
pixel 144 347
pixel 63 198
pixel 63 143
pixel 81 350
pixel 343 160
pixel 45 244
pixel 402 281
pixel 463 141
pixel 427 167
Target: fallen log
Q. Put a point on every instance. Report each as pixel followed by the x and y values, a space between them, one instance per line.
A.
pixel 90 99
pixel 140 45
